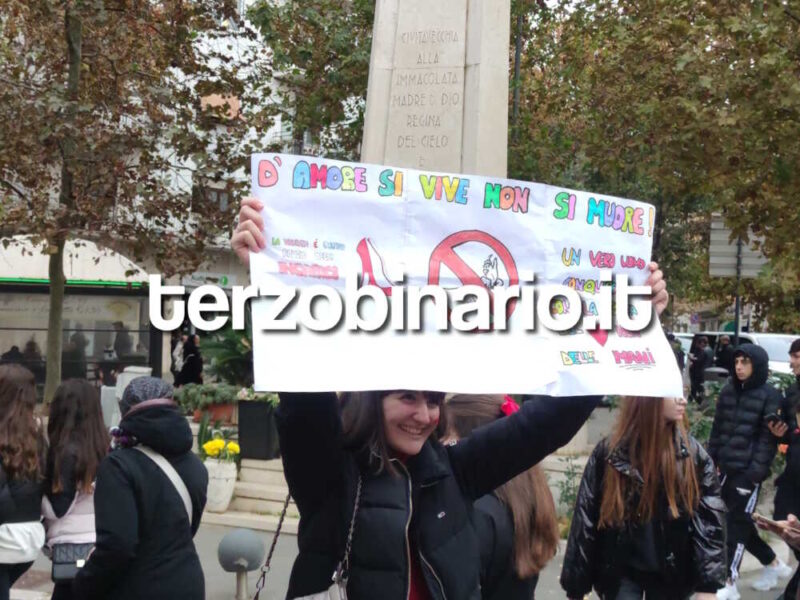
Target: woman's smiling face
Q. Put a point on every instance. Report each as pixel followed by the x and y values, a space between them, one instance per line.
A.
pixel 409 418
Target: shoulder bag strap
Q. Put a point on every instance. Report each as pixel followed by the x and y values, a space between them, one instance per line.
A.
pixel 172 475
pixel 340 575
pixel 265 569
pixel 343 569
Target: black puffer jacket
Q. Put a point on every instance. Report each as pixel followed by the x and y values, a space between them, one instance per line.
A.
pixel 690 549
pixel 741 444
pixel 144 539
pixel 428 507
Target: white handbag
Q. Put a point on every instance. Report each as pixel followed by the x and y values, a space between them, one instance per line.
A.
pixel 338 587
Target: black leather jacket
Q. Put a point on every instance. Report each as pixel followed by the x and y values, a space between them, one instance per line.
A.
pixel 690 549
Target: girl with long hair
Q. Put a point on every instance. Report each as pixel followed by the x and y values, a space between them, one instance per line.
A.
pixel 516 523
pixel 649 520
pixel 21 449
pixel 78 443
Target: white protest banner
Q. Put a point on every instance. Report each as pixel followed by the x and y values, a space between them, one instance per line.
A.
pixel 327 222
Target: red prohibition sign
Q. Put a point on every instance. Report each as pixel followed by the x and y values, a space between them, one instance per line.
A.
pixel 444 254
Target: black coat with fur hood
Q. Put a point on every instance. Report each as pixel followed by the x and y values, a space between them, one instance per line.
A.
pixel 741 444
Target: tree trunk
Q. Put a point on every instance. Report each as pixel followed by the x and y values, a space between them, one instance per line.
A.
pixel 54 323
pixel 74 33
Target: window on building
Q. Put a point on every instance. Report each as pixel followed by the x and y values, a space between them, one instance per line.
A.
pixel 102 334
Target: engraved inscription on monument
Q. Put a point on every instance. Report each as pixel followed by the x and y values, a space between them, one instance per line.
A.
pixel 426 100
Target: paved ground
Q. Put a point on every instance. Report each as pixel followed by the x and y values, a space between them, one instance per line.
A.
pixel 35 585
pixel 219 584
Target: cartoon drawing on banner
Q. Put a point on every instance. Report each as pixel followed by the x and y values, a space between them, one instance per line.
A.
pixel 370 260
pixel 445 256
pixel 491 278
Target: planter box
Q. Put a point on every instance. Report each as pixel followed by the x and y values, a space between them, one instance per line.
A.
pixel 258 435
pixel 216 412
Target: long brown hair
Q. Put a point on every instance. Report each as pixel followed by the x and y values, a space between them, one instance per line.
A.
pixel 651 446
pixel 527 496
pixel 362 423
pixel 20 439
pixel 76 427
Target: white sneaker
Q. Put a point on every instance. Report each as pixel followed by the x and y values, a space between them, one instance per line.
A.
pixel 782 570
pixel 767 580
pixel 770 574
pixel 729 592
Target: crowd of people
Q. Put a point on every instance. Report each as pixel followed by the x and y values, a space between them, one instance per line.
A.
pixel 657 515
pixel 101 507
pixel 408 494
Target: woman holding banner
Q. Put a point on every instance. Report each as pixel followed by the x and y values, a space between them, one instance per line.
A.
pixel 377 493
pixel 649 520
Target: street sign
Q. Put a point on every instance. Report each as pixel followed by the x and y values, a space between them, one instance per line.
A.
pixel 722 253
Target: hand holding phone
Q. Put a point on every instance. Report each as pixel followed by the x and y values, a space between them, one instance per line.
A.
pixel 766 523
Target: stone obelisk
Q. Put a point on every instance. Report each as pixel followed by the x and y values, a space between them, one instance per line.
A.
pixel 438 86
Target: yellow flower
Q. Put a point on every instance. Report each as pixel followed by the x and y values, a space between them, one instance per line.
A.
pixel 233 447
pixel 211 448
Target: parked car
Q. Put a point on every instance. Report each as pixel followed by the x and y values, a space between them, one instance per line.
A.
pixel 775 344
pixel 777 347
pixel 685 339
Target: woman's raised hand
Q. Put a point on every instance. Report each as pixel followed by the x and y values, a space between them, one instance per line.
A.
pixel 659 296
pixel 249 234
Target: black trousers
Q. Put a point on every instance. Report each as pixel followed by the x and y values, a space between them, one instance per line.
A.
pixel 697 391
pixel 787 500
pixel 638 586
pixel 9 573
pixel 741 497
pixel 62 591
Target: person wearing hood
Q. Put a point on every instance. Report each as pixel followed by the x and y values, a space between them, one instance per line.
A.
pixel 144 534
pixel 742 446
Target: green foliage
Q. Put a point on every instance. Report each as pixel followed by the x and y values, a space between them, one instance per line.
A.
pixel 230 355
pixel 569 485
pixel 205 431
pixel 251 395
pixel 781 381
pixel 321 52
pixel 701 418
pixel 195 396
pixel 692 106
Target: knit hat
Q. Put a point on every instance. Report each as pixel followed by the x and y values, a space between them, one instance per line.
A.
pixel 142 389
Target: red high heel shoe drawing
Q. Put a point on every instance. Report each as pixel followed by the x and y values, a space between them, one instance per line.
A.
pixel 370 259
